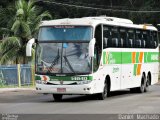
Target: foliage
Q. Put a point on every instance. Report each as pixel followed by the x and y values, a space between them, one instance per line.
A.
pixel 19 22
pixel 64 11
pixel 25 25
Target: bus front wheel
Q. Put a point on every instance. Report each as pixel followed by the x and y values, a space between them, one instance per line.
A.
pixel 57 97
pixel 103 95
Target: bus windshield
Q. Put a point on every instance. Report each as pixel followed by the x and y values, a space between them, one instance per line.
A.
pixel 61 58
pixel 51 33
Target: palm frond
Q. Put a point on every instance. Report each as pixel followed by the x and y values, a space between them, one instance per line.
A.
pixel 9 56
pixel 7 15
pixel 37 21
pixel 23 22
pixel 6 31
pixel 21 29
pixel 8 43
pixel 25 30
pixel 16 26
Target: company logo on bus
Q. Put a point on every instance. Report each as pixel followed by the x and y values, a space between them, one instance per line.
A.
pixel 78 78
pixel 154 57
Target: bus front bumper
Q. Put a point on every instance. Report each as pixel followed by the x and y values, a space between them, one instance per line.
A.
pixel 64 89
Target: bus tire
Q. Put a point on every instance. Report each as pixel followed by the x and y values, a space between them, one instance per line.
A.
pixel 146 89
pixel 103 95
pixel 142 86
pixel 57 97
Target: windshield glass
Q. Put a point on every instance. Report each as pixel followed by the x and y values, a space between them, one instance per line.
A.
pixel 63 58
pixel 65 33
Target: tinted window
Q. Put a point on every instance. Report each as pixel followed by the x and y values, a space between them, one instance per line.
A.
pixel 155 39
pixel 144 39
pixel 106 36
pixel 130 40
pixel 138 40
pixel 123 37
pixel 115 37
pixel 52 33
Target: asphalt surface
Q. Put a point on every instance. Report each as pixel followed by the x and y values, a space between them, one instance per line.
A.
pixel 26 104
pixel 120 102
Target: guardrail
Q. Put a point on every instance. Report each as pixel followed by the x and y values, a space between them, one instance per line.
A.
pixel 17 75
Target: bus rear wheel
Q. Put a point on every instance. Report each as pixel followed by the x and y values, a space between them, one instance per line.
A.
pixel 57 97
pixel 146 89
pixel 103 95
pixel 142 87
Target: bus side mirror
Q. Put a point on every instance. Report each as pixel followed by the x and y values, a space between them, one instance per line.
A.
pixel 29 47
pixel 91 47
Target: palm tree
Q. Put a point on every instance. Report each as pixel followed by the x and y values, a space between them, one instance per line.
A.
pixel 25 26
pixel 6 20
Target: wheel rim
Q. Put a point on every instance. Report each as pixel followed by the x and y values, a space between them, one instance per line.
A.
pixel 143 84
pixel 147 82
pixel 105 91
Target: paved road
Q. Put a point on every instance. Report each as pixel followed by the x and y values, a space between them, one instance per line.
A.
pixel 29 102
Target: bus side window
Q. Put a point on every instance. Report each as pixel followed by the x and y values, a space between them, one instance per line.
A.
pixel 115 38
pixel 114 42
pixel 130 43
pixel 148 39
pixel 130 38
pixel 144 39
pixel 106 36
pixel 105 42
pixel 155 37
pixel 123 37
pixel 138 41
pixel 152 42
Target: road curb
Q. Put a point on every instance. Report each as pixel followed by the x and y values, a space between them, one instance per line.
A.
pixel 15 89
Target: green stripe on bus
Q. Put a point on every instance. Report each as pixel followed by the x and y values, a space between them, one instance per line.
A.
pixel 152 57
pixel 115 58
pixel 126 57
pixel 135 69
pixel 37 77
pixel 66 78
pixel 104 57
pixel 145 57
pixel 137 57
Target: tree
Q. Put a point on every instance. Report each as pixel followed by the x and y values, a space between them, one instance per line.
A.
pixel 25 26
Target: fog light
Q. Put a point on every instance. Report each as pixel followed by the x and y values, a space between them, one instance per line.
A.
pixel 88 88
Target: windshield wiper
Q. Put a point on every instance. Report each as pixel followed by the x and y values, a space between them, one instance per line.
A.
pixel 71 68
pixel 54 62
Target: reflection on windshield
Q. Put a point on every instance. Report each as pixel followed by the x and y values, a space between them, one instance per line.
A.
pixel 65 33
pixel 63 58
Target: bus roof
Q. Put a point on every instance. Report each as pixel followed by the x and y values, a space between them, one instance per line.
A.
pixel 94 21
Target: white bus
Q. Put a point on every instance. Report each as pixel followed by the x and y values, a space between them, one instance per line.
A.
pixel 94 55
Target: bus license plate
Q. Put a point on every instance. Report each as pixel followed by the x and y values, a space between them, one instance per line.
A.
pixel 61 89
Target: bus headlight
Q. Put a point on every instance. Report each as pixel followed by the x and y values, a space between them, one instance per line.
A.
pixel 83 82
